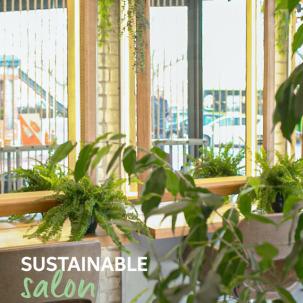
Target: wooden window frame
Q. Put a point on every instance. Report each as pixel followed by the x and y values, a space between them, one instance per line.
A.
pixel 223 185
pixel 81 99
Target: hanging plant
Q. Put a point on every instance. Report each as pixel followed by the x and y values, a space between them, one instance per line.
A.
pixel 282 17
pixel 104 20
pixel 133 21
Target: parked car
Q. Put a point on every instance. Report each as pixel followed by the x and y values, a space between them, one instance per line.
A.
pixel 230 128
pixel 180 129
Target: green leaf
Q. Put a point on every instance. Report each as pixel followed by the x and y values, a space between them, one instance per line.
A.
pixel 117 137
pixel 159 152
pixel 129 160
pixel 115 157
pixel 267 251
pixel 61 152
pixel 289 105
pixel 232 215
pixel 84 160
pixel 102 137
pixel 292 4
pixel 102 152
pixel 289 5
pixel 172 182
pixel 245 200
pixel 299 228
pixel 150 204
pixel 155 185
pixel 170 209
pixel 285 295
pixel 298 39
pixel 146 162
pixel 290 203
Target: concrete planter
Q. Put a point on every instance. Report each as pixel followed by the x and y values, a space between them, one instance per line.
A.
pixel 255 233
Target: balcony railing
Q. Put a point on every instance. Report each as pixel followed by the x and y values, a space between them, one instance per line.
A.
pixel 15 157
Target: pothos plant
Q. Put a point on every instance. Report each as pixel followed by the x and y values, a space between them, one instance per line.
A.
pixel 133 21
pixel 80 200
pixel 208 268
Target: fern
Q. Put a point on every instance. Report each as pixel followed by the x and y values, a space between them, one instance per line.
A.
pixel 80 202
pixel 284 178
pixel 223 164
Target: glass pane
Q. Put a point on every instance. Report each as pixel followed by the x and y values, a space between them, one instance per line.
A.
pixel 169 40
pixel 260 71
pixel 33 85
pixel 224 73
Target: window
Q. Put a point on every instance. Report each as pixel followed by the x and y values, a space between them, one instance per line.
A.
pixel 198 76
pixel 33 83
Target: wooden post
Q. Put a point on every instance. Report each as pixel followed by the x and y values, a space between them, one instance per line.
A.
pixel 144 94
pixel 269 77
pixel 88 63
pixel 88 77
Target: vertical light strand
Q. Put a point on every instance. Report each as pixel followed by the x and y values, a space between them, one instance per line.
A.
pixel 64 77
pixel 48 94
pixel 4 80
pixel 73 58
pixel 55 77
pixel 35 60
pixel 27 54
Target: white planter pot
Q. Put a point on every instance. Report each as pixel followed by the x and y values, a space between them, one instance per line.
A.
pixel 255 233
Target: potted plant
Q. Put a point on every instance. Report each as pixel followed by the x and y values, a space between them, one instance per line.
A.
pixel 82 202
pixel 275 184
pixel 272 198
pixel 217 267
pixel 224 163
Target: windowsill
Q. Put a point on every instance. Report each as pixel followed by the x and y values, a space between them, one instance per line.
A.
pixel 35 202
pixel 12 235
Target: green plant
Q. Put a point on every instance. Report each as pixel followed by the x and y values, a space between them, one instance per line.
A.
pixel 208 268
pixel 45 176
pixel 285 178
pixel 222 164
pixel 133 21
pixel 282 18
pixel 81 201
pixel 289 109
pixel 40 177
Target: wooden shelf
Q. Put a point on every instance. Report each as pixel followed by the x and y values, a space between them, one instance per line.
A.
pixel 12 235
pixel 164 230
pixel 24 203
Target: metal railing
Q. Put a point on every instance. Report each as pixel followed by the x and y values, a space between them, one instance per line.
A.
pixel 12 158
pixel 178 150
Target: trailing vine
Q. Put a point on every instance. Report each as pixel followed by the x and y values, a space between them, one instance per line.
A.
pixel 104 20
pixel 133 21
pixel 282 17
